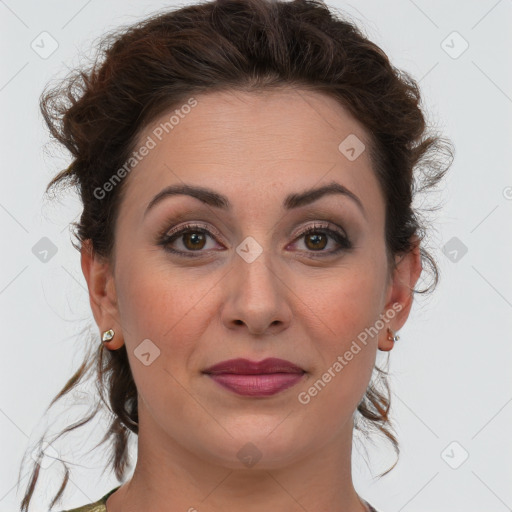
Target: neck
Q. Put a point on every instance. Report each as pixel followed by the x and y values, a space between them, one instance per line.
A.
pixel 169 478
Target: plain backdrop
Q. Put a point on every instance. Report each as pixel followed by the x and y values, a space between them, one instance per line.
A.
pixel 452 392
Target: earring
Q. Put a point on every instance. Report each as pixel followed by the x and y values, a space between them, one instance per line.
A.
pixel 108 335
pixel 392 336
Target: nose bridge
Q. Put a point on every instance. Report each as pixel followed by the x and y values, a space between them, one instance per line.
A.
pixel 255 294
pixel 257 251
pixel 255 264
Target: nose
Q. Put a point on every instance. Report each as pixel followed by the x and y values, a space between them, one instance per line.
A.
pixel 256 297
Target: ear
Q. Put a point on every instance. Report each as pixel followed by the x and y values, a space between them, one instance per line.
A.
pixel 400 293
pixel 102 293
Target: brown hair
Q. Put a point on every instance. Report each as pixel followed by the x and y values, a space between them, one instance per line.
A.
pixel 145 69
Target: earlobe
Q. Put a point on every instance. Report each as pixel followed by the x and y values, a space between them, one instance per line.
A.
pixel 407 271
pixel 101 287
pixel 391 339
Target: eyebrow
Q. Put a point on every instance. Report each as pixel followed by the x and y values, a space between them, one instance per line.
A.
pixel 213 198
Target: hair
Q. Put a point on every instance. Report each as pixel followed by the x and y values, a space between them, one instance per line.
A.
pixel 145 69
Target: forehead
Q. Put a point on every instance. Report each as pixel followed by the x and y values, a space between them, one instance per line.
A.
pixel 248 145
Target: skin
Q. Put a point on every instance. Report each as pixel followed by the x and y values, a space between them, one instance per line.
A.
pixel 255 149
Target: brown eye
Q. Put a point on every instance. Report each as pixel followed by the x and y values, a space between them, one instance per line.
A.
pixel 194 240
pixel 188 240
pixel 318 241
pixel 316 238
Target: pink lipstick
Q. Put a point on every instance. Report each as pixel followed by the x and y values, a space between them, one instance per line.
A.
pixel 251 378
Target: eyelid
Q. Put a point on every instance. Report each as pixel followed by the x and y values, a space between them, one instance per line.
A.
pixel 321 225
pixel 191 225
pixel 214 231
pixel 333 231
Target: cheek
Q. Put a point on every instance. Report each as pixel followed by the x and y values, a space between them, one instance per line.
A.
pixel 350 302
pixel 156 307
pixel 152 297
pixel 347 311
pixel 159 303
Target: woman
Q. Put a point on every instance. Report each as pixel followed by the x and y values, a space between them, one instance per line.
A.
pixel 247 171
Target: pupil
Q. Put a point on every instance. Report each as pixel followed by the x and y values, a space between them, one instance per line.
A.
pixel 195 238
pixel 316 239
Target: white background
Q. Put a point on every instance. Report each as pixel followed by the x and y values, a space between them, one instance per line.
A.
pixel 451 368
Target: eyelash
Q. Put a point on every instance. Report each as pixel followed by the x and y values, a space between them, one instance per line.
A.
pixel 168 237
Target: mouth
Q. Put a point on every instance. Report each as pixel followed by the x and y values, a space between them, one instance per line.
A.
pixel 251 378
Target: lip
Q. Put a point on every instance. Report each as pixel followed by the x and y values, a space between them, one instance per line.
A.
pixel 246 367
pixel 252 378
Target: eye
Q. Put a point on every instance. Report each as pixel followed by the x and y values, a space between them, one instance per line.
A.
pixel 194 237
pixel 316 239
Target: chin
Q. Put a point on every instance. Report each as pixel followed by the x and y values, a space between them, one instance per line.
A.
pixel 264 445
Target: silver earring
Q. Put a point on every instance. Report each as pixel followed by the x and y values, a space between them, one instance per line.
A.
pixel 392 336
pixel 108 335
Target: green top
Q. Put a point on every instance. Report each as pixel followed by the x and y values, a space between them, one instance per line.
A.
pixel 99 506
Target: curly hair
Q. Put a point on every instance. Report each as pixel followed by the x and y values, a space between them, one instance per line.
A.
pixel 139 71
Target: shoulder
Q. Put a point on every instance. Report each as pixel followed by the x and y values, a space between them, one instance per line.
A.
pixel 97 506
pixel 91 507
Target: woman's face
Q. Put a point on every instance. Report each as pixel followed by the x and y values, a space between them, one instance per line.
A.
pixel 247 283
